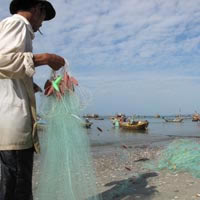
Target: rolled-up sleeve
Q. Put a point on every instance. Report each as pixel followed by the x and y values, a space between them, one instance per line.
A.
pixel 15 62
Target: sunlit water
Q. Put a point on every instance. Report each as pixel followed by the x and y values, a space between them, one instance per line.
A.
pixel 158 131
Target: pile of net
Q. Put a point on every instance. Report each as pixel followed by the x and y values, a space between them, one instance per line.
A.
pixel 181 155
pixel 66 170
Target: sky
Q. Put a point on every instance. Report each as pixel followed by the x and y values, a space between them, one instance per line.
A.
pixel 129 56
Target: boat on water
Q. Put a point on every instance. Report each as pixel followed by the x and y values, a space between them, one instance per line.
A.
pixel 176 120
pixel 196 117
pixel 92 116
pixel 136 125
pixel 87 123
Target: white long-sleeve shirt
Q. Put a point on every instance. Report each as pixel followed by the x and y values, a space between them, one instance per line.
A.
pixel 17 99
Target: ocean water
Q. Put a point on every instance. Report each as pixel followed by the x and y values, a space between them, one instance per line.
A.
pixel 157 131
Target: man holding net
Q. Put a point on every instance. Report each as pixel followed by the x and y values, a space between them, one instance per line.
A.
pixel 18 137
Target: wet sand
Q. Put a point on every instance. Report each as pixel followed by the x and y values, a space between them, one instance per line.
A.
pixel 121 175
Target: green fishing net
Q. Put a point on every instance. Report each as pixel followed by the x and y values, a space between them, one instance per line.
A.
pixel 182 155
pixel 66 171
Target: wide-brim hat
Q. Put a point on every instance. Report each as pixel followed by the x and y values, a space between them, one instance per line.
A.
pixel 17 5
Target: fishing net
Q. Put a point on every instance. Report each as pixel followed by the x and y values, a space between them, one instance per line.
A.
pixel 181 155
pixel 66 170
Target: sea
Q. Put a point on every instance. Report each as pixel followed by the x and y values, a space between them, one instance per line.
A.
pixel 103 133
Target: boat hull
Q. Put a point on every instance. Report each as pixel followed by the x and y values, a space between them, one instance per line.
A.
pixel 174 120
pixel 140 125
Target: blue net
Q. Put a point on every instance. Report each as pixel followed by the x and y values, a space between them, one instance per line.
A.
pixel 181 155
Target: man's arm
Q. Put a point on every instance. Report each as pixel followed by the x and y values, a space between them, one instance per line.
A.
pixel 16 64
pixel 53 60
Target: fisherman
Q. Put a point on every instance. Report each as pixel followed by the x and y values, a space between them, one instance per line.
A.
pixel 18 137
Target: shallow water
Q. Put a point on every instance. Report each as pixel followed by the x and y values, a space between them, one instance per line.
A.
pixel 158 130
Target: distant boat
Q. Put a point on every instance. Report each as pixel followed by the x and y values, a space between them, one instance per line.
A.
pixel 91 116
pixel 99 118
pixel 157 116
pixel 87 123
pixel 176 120
pixel 136 125
pixel 42 124
pixel 196 117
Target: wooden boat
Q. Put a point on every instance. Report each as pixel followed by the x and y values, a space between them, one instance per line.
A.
pixel 196 117
pixel 87 124
pixel 176 120
pixel 137 125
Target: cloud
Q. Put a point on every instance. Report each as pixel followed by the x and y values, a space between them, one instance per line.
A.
pixel 134 54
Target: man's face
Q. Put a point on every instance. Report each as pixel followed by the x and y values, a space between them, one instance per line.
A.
pixel 38 17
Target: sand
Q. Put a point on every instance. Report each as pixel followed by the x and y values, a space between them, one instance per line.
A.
pixel 121 175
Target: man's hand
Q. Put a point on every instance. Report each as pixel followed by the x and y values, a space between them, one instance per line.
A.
pixel 53 60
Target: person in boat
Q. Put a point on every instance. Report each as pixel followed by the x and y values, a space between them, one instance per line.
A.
pixel 18 137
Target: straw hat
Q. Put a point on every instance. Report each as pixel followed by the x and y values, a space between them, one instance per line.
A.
pixel 17 5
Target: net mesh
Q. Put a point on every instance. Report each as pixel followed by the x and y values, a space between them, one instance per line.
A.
pixel 66 170
pixel 182 155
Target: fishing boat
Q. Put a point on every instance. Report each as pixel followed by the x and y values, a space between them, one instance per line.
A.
pixel 196 117
pixel 176 120
pixel 136 125
pixel 92 116
pixel 87 123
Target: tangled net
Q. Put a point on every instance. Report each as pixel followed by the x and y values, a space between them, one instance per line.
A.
pixel 66 170
pixel 181 155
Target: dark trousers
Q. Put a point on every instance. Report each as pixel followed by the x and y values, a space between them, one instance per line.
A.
pixel 16 174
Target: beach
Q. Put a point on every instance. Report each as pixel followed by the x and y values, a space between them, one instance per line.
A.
pixel 126 178
pixel 121 175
